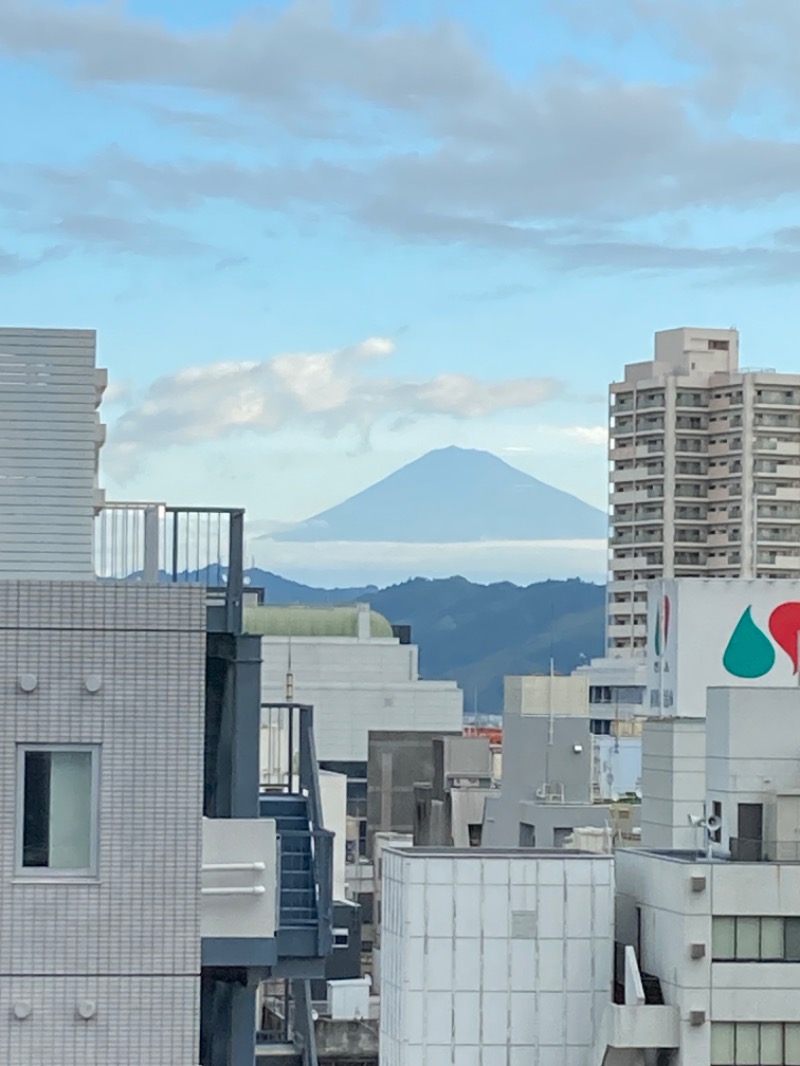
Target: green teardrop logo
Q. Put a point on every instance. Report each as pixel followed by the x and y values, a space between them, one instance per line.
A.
pixel 749 652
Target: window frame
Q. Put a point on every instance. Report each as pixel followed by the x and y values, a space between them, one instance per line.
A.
pixel 343 935
pixel 736 957
pixel 46 873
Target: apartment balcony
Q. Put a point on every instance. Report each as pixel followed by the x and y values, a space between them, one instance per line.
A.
pixel 769 561
pixel 623 452
pixel 653 402
pixel 640 1022
pixel 623 427
pixel 776 446
pixel 778 493
pixel 692 446
pixel 631 495
pixel 649 449
pixel 775 469
pixel 151 542
pixel 779 513
pixel 649 424
pixel 267 882
pixel 633 562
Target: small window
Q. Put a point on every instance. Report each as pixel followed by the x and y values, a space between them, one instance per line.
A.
pixel 341 938
pixel 723 939
pixel 57 790
pixel 791 934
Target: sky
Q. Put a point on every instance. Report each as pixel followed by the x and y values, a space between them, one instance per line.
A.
pixel 319 238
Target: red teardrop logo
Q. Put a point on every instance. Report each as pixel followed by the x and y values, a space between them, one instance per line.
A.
pixel 784 627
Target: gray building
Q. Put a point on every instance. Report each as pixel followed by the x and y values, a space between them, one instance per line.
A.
pixel 547 789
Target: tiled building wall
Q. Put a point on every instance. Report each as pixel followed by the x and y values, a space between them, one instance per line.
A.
pixel 49 392
pixel 131 937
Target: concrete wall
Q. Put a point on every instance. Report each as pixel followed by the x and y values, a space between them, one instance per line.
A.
pixel 129 938
pixel 397 761
pixel 753 752
pixel 356 686
pixel 491 958
pixel 333 793
pixel 673 916
pixel 529 761
pixel 543 694
pixel 673 781
pixel 49 392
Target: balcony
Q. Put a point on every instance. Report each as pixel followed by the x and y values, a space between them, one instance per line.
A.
pixel 640 1022
pixel 649 402
pixel 150 542
pixel 267 882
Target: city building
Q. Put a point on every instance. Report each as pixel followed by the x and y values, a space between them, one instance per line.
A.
pixel 149 882
pixel 562 769
pixel 718 632
pixel 715 922
pixel 705 474
pixel 494 957
pixel 360 674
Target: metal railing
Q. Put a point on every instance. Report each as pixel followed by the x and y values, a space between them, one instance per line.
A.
pixel 744 850
pixel 293 768
pixel 151 542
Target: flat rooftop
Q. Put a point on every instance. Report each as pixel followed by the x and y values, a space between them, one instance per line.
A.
pixel 495 853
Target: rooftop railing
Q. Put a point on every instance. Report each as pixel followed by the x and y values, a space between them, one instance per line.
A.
pixel 151 542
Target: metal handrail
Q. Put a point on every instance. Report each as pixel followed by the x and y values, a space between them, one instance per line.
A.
pixel 218 867
pixel 235 890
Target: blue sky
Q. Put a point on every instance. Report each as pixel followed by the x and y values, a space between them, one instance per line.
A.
pixel 397 224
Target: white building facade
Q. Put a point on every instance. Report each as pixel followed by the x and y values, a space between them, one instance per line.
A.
pixel 491 958
pixel 358 676
pixel 705 473
pixel 50 392
pixel 715 922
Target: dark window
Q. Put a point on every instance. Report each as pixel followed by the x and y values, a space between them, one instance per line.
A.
pixel 475 835
pixel 341 938
pixel 57 816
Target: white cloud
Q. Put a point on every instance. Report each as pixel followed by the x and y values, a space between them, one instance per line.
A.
pixel 328 392
pixel 442 145
pixel 595 435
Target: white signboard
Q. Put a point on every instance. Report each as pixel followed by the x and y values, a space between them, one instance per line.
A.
pixel 707 632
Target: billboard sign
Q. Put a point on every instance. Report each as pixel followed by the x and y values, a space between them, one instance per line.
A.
pixel 706 632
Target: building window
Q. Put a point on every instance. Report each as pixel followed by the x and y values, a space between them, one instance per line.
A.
pixel 341 938
pixel 57 802
pixel 755 1044
pixel 748 939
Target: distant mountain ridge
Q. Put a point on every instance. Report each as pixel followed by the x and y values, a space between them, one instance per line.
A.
pixel 476 634
pixel 455 495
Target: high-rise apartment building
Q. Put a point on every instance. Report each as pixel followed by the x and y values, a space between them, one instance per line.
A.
pixel 704 474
